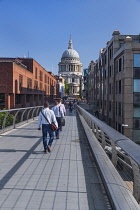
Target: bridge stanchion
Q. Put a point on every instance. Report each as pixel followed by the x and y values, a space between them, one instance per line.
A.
pixel 103 143
pixel 136 185
pixel 114 158
pixel 28 113
pixel 14 125
pixel 33 113
pixel 23 115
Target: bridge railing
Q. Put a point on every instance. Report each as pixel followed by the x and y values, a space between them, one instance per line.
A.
pixel 11 118
pixel 120 148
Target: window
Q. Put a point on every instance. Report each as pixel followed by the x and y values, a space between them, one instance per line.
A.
pixel 119 127
pixel 35 73
pixel 2 100
pixel 72 79
pixel 18 99
pixel 110 86
pixel 105 58
pixel 121 44
pixel 120 86
pixel 120 64
pixel 116 87
pixel 110 71
pixel 41 76
pixel 123 62
pixel 110 53
pixel 136 123
pixel 110 106
pixel 119 108
pixel 105 74
pixel 136 73
pixel 29 83
pixel 136 98
pixel 136 60
pixel 35 85
pixel 137 111
pixel 20 82
pixel 136 85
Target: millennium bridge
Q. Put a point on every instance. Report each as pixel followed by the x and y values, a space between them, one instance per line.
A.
pixel 91 166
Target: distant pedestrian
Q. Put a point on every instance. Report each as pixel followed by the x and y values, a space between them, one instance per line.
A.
pixel 70 105
pixel 58 113
pixel 46 128
pixel 62 106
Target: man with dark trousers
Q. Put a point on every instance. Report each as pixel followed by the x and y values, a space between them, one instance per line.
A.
pixel 46 128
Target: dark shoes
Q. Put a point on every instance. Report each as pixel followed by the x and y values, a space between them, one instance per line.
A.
pixel 45 151
pixel 49 148
pixel 57 137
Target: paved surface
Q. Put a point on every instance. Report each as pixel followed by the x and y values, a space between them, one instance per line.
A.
pixel 65 179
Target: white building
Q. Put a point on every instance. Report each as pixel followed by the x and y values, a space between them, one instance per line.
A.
pixel 70 69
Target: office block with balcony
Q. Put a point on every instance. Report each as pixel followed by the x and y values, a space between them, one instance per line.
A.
pixel 116 86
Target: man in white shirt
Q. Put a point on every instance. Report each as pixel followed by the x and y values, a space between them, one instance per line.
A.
pixel 62 106
pixel 58 113
pixel 46 128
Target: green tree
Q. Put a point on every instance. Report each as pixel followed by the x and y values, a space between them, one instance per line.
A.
pixel 9 119
pixel 66 88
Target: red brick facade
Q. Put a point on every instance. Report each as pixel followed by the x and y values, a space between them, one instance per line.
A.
pixel 24 83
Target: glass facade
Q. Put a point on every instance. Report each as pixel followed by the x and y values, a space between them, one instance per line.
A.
pixel 136 98
pixel 137 111
pixel 136 85
pixel 136 60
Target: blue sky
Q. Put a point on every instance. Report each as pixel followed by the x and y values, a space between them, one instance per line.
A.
pixel 43 27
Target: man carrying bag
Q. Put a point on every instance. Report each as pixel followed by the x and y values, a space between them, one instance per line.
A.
pixel 59 115
pixel 46 117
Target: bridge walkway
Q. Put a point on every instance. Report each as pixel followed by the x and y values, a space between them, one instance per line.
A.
pixel 65 179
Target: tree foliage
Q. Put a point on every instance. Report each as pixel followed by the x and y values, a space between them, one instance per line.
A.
pixel 66 88
pixel 9 119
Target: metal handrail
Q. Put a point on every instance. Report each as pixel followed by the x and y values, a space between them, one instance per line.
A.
pixel 16 112
pixel 99 128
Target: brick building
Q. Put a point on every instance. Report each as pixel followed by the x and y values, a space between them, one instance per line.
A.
pixel 24 83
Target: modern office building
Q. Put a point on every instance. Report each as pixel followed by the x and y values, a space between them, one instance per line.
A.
pixel 70 68
pixel 116 84
pixel 24 83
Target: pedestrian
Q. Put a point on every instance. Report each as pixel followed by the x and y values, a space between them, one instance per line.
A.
pixel 58 113
pixel 46 128
pixel 62 106
pixel 70 105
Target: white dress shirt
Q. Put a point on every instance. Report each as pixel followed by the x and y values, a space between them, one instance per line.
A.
pixel 62 107
pixel 49 115
pixel 58 111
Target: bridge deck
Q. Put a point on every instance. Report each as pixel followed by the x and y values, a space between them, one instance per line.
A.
pixel 65 179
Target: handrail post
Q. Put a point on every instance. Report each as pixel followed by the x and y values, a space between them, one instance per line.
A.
pixel 136 182
pixel 28 114
pixel 114 158
pixel 15 119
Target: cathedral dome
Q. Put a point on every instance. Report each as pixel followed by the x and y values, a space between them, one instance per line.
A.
pixel 70 53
